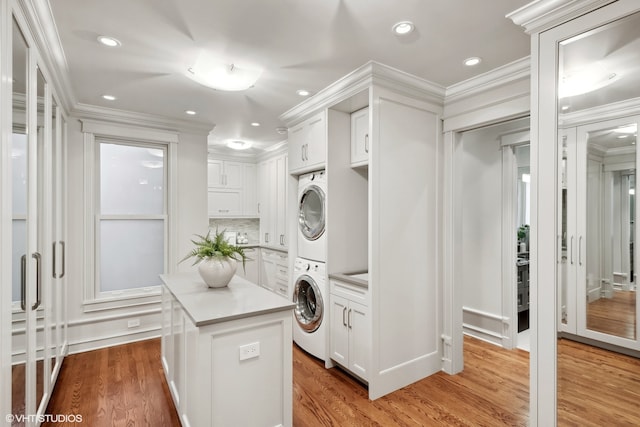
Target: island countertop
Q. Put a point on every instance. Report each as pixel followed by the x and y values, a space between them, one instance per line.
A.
pixel 205 306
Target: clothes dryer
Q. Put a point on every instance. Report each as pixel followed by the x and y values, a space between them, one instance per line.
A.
pixel 312 197
pixel 311 299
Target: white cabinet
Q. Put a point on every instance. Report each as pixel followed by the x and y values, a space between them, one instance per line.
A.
pixel 274 272
pixel 232 188
pixel 308 144
pixel 360 137
pixel 273 191
pixel 224 174
pixel 349 343
pixel 251 270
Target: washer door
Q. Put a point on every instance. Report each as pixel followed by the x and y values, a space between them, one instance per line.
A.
pixel 311 212
pixel 309 306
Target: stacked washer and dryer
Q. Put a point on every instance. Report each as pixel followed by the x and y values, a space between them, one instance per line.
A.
pixel 310 290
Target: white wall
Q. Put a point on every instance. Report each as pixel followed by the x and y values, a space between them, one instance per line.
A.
pixel 481 259
pixel 90 327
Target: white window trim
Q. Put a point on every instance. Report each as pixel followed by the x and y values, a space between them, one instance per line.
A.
pixel 96 130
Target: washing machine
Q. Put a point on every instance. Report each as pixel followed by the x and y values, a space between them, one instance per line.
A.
pixel 312 198
pixel 311 299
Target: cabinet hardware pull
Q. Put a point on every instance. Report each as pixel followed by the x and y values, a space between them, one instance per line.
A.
pixel 55 276
pixel 258 207
pixel 366 143
pixel 349 319
pixel 344 311
pixel 571 250
pixel 580 250
pixel 38 258
pixel 302 153
pixel 64 257
pixel 23 282
pixel 266 237
pixel 223 210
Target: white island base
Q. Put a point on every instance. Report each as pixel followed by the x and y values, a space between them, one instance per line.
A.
pixel 226 353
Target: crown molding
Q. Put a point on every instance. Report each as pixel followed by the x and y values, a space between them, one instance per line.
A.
pixel 629 107
pixel 92 112
pixel 540 15
pixel 514 71
pixel 371 73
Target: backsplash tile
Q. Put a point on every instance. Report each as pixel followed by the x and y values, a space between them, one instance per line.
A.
pixel 251 226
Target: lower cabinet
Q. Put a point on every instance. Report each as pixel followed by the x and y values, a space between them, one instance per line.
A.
pixel 251 270
pixel 274 274
pixel 350 328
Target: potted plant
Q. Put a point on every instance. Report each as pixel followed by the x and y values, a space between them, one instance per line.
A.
pixel 216 258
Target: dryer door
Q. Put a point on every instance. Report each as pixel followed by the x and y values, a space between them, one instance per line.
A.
pixel 311 212
pixel 309 305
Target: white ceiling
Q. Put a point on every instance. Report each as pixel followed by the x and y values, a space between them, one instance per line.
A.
pixel 299 44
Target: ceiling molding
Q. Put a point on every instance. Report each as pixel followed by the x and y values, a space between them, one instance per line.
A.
pixel 540 15
pixel 630 107
pixel 514 71
pixel 371 73
pixel 86 111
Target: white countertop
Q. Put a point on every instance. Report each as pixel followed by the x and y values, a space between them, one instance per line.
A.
pixel 238 300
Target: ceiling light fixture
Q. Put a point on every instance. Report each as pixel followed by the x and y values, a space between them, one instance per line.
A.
pixel 303 92
pixel 109 41
pixel 109 97
pixel 470 62
pixel 255 124
pixel 628 129
pixel 238 144
pixel 579 81
pixel 403 28
pixel 565 107
pixel 215 74
pixel 282 130
pixel 190 112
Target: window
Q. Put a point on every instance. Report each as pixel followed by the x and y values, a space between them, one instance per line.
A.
pixel 131 216
pixel 130 207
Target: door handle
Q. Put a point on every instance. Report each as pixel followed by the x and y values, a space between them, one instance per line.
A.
pixel 580 250
pixel 64 259
pixel 344 312
pixel 266 237
pixel 53 268
pixel 349 318
pixel 23 282
pixel 366 143
pixel 302 152
pixel 38 258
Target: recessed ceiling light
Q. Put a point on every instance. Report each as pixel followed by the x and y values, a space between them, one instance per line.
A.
pixel 470 62
pixel 565 107
pixel 303 92
pixel 109 41
pixel 109 97
pixel 190 112
pixel 238 144
pixel 282 130
pixel 402 28
pixel 255 124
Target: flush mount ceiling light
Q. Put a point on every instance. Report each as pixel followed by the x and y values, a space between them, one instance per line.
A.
pixel 190 112
pixel 255 124
pixel 583 80
pixel 628 129
pixel 109 41
pixel 237 144
pixel 303 92
pixel 218 75
pixel 403 28
pixel 282 130
pixel 470 62
pixel 109 97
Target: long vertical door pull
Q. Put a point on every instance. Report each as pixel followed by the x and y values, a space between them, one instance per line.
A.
pixel 38 259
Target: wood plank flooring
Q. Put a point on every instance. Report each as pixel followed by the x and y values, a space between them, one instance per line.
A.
pixel 614 316
pixel 124 386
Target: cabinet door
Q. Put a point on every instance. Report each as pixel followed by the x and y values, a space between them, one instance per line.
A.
pixel 250 196
pixel 251 272
pixel 268 270
pixel 233 175
pixel 281 174
pixel 360 137
pixel 339 331
pixel 264 201
pixel 297 144
pixel 214 174
pixel 166 343
pixel 315 152
pixel 225 202
pixel 359 347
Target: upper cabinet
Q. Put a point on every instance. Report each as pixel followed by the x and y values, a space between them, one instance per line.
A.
pixel 232 188
pixel 273 191
pixel 360 137
pixel 308 144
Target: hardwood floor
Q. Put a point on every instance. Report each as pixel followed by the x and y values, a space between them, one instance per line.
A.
pixel 125 386
pixel 614 316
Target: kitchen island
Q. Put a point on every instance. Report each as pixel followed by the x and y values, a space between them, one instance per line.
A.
pixel 226 352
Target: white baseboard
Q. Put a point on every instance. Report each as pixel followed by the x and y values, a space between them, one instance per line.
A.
pixel 482 325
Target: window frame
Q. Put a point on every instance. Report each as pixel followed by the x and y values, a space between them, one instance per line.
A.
pixel 95 133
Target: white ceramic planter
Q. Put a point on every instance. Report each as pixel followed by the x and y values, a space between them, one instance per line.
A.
pixel 217 272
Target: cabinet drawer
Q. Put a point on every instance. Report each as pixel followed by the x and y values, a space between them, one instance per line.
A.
pixel 351 292
pixel 281 288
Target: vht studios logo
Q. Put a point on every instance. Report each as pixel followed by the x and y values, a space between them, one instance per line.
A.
pixel 48 418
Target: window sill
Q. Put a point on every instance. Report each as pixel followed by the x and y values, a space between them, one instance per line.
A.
pixel 131 298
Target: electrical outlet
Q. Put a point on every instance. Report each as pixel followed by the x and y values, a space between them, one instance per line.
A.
pixel 133 323
pixel 249 351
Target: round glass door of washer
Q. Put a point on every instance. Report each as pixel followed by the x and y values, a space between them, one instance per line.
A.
pixel 311 212
pixel 309 305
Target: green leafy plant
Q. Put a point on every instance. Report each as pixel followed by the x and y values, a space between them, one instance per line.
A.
pixel 523 232
pixel 208 247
